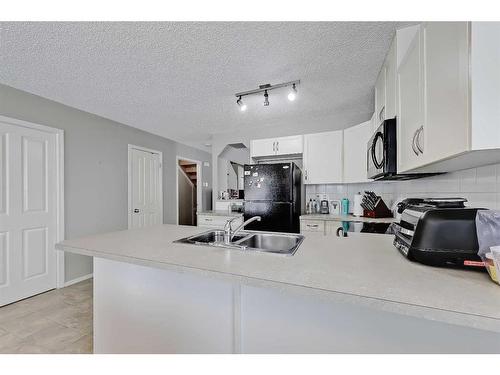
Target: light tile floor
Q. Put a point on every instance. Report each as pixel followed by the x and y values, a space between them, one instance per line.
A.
pixel 58 321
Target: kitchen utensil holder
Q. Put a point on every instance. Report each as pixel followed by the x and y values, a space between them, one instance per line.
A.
pixel 380 210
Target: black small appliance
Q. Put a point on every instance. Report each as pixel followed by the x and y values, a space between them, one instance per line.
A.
pixel 438 232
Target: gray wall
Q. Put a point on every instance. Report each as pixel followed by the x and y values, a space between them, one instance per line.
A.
pixel 95 167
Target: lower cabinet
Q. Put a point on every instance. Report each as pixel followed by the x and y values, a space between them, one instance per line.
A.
pixel 312 226
pixel 139 309
pixel 217 221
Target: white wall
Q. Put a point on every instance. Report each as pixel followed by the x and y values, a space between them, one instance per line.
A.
pixel 95 167
pixel 481 186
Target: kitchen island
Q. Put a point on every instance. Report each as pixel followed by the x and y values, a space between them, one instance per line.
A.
pixel 335 295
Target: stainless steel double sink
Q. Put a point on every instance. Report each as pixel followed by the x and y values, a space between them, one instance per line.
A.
pixel 270 242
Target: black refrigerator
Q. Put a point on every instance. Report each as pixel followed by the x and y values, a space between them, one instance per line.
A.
pixel 272 191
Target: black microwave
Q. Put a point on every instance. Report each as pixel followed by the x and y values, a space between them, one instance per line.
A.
pixel 382 154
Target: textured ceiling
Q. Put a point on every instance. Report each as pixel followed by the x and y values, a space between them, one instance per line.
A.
pixel 178 79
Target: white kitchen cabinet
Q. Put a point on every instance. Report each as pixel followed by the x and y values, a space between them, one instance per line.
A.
pixel 262 147
pixel 280 146
pixel 390 81
pixel 410 90
pixel 307 225
pixel 455 123
pixel 446 86
pixel 217 221
pixel 355 146
pixel 380 97
pixel 385 87
pixel 323 155
pixel 374 123
pixel 289 145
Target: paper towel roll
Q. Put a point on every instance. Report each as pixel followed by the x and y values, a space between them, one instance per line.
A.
pixel 357 210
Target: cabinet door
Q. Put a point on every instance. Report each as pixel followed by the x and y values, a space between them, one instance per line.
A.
pixel 411 108
pixel 263 147
pixel 446 89
pixel 380 96
pixel 323 158
pixel 390 82
pixel 289 145
pixel 355 145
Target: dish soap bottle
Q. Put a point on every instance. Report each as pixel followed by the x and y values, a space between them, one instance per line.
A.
pixel 345 206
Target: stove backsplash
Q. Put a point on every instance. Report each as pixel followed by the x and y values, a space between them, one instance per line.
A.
pixel 480 186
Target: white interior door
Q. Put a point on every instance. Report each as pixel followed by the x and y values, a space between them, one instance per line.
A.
pixel 145 188
pixel 28 212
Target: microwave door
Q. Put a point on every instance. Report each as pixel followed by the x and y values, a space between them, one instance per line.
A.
pixel 375 156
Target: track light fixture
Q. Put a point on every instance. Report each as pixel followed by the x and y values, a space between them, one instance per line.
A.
pixel 265 88
pixel 243 106
pixel 293 93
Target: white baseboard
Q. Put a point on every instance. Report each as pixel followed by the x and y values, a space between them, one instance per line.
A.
pixel 78 279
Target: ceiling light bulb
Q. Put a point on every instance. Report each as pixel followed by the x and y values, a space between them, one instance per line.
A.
pixel 293 93
pixel 243 106
pixel 266 98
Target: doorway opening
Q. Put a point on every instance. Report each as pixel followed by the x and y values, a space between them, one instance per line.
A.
pixel 188 191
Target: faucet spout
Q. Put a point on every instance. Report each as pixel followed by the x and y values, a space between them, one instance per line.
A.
pixel 233 233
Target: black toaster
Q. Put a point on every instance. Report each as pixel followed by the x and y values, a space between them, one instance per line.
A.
pixel 438 232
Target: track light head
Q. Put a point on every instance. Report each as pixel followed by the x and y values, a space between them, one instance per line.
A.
pixel 266 98
pixel 293 93
pixel 243 106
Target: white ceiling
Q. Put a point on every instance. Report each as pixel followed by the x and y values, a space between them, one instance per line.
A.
pixel 178 79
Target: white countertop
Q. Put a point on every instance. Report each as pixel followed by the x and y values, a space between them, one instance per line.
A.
pixel 349 217
pixel 362 268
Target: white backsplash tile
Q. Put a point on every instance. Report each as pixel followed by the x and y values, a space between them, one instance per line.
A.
pixel 481 186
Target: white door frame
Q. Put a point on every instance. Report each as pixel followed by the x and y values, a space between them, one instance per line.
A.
pixel 59 235
pixel 129 168
pixel 199 203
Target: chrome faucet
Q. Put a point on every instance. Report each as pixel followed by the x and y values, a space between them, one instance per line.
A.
pixel 229 233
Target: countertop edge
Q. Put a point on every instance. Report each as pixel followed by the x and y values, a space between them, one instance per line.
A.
pixel 418 311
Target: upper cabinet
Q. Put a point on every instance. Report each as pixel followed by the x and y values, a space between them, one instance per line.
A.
pixel 380 97
pixel 282 146
pixel 323 156
pixel 385 88
pixel 448 90
pixel 355 157
pixel 410 113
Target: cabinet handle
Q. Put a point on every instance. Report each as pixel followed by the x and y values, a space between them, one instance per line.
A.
pixel 417 140
pixel 305 177
pixel 278 146
pixel 207 219
pixel 274 146
pixel 413 142
pixel 312 225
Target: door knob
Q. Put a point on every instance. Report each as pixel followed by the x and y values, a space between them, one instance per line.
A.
pixel 136 210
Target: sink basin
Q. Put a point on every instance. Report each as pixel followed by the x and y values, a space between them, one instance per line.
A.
pixel 280 243
pixel 272 242
pixel 213 236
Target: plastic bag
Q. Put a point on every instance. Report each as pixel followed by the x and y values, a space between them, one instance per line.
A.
pixel 488 238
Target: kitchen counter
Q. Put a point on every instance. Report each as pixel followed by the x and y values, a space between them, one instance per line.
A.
pixel 349 217
pixel 362 269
